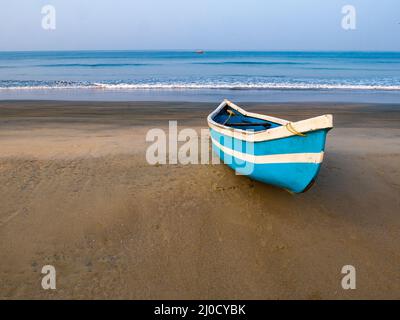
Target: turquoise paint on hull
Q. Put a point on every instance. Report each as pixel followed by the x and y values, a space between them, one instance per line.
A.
pixel 292 176
pixel 314 142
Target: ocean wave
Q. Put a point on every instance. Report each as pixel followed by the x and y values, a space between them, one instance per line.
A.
pixel 244 86
pixel 208 86
pixel 251 63
pixel 94 65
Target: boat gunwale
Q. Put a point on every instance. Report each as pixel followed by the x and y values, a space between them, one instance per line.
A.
pixel 302 126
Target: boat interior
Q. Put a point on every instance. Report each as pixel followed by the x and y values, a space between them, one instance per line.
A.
pixel 234 119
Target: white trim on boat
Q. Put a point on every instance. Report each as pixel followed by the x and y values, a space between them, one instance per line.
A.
pixel 255 115
pixel 304 126
pixel 273 158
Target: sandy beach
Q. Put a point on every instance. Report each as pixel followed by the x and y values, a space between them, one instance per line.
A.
pixel 77 193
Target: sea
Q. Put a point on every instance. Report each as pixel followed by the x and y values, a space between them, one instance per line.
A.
pixel 201 76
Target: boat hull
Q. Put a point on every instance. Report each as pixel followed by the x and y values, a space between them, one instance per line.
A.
pixel 291 162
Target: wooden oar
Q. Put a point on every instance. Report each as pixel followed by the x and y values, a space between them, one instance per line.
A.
pixel 248 124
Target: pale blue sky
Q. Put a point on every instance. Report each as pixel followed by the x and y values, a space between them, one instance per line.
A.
pixel 206 24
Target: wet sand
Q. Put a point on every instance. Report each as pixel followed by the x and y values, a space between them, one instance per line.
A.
pixel 77 193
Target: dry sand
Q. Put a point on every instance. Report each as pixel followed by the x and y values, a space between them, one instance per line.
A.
pixel 76 192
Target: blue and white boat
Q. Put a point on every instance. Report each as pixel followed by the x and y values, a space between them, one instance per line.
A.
pixel 268 149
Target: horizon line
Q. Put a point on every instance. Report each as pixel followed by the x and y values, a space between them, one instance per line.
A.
pixel 194 50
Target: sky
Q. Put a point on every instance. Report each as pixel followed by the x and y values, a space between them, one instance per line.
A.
pixel 200 24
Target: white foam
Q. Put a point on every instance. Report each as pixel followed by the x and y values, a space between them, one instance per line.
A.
pixel 245 86
pixel 211 85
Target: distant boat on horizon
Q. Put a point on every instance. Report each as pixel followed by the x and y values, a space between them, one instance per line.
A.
pixel 199 51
